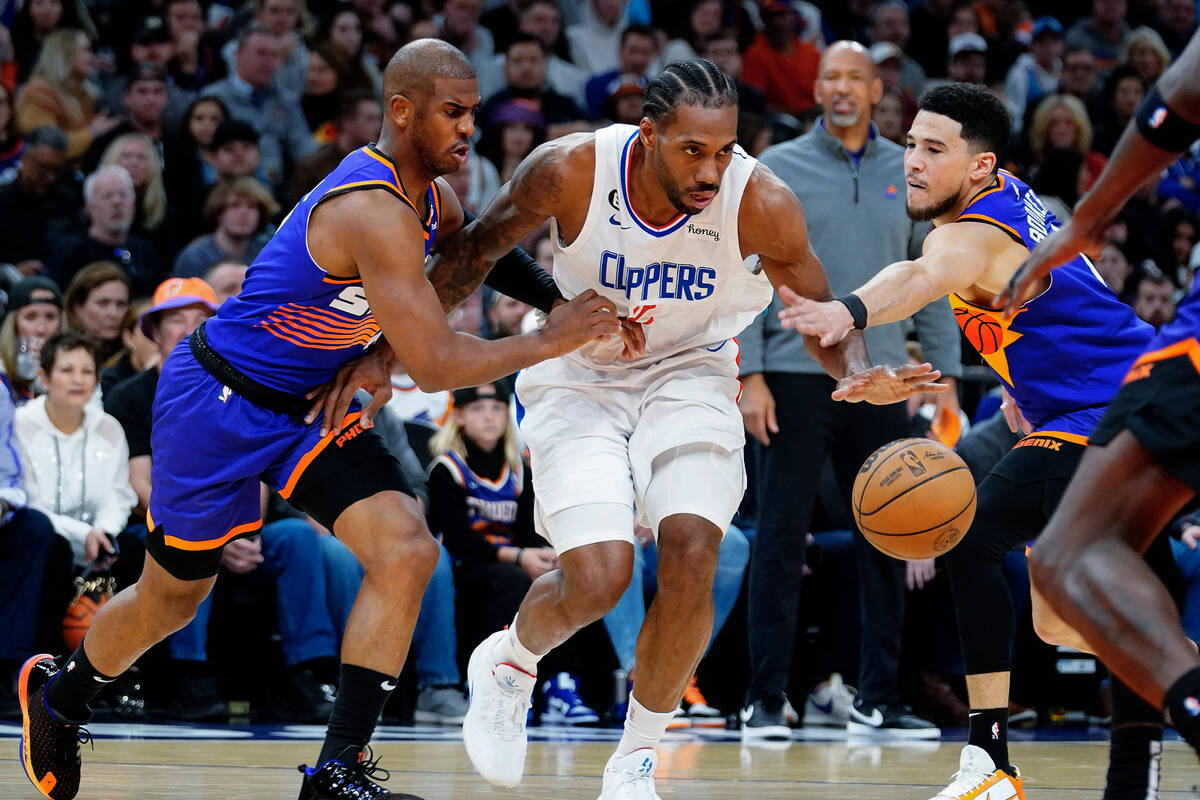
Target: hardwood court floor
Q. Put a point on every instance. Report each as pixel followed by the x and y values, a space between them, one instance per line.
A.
pixel 201 769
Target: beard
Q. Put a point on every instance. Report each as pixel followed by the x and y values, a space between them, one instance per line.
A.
pixel 431 160
pixel 844 120
pixel 675 194
pixel 933 210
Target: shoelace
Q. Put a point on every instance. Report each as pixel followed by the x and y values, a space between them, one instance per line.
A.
pixel 357 778
pixel 960 783
pixel 509 712
pixel 637 785
pixel 74 735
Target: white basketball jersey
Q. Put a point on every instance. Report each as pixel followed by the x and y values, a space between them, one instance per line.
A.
pixel 685 282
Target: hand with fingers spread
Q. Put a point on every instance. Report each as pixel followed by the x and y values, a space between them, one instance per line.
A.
pixel 831 320
pixel 1058 248
pixel 372 372
pixel 585 318
pixel 1013 416
pixel 883 385
pixel 757 405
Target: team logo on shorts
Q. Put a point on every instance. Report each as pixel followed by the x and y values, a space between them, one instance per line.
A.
pixel 225 394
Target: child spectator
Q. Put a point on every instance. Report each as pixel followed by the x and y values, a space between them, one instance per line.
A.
pixel 35 313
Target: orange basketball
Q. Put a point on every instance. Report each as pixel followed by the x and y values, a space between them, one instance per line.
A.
pixel 914 499
pixel 983 332
pixel 79 618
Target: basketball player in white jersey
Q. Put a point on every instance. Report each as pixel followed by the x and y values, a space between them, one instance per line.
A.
pixel 659 219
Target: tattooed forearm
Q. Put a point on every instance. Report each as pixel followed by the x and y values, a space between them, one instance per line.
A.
pixel 462 263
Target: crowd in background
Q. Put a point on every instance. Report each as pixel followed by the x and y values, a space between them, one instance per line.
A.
pixel 148 149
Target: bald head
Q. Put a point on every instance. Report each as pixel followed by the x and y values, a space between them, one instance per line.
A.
pixel 846 53
pixel 847 86
pixel 415 67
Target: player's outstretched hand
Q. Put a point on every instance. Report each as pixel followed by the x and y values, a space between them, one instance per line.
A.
pixel 1058 248
pixel 883 385
pixel 372 372
pixel 581 320
pixel 831 321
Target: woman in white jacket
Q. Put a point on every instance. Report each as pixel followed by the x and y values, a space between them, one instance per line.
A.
pixel 74 456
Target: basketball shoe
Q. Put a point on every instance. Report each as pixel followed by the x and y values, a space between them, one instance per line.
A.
pixel 830 705
pixel 763 719
pixel 630 777
pixel 564 706
pixel 336 780
pixel 978 778
pixel 494 726
pixel 49 742
pixel 894 721
pixel 699 712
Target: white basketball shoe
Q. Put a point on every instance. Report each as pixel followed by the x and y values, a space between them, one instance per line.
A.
pixel 630 777
pixel 494 726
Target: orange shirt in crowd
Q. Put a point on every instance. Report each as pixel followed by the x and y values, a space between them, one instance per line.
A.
pixel 786 79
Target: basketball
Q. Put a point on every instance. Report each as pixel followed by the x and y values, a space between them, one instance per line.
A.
pixel 914 499
pixel 79 618
pixel 983 332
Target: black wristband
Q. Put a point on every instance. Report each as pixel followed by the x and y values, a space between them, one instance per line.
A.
pixel 1162 126
pixel 857 309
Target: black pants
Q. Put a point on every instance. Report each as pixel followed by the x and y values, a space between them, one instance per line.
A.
pixel 35 585
pixel 812 427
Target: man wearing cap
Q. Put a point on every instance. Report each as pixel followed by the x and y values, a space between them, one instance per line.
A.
pixel 1036 73
pixel 37 208
pixel 624 103
pixel 639 50
pixel 252 94
pixel 967 58
pixel 890 24
pixel 850 181
pixel 779 63
pixel 525 79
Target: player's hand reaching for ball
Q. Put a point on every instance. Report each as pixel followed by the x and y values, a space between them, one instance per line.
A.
pixel 583 319
pixel 883 385
pixel 1058 248
pixel 831 321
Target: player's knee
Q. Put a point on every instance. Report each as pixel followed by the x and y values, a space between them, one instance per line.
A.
pixel 594 585
pixel 404 550
pixel 171 604
pixel 687 566
pixel 1047 570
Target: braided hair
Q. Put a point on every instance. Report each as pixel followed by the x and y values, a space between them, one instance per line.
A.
pixel 695 82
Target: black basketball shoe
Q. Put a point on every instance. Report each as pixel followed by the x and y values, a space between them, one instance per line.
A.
pixel 335 780
pixel 49 743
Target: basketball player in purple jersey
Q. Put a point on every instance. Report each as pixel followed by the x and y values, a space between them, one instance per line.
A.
pixel 344 270
pixel 1143 462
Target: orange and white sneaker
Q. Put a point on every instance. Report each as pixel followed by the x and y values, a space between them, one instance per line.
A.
pixel 701 714
pixel 978 778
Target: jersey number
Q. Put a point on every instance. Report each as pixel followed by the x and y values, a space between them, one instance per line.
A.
pixel 352 300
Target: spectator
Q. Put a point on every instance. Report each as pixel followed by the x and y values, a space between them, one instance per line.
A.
pixel 137 155
pixel 543 20
pixel 504 315
pixel 1113 265
pixel 1146 52
pixel 847 177
pixel 1103 32
pixel 236 153
pixel 503 21
pixel 596 39
pixel 1061 122
pixel 281 18
pixel 74 455
pixel 322 92
pixel 624 103
pixel 1036 73
pixel 1123 93
pixel 241 211
pixel 33 24
pixel 11 144
pixel 1080 74
pixel 60 93
pixel 195 61
pixel 253 94
pixel 1154 299
pixel 515 128
pixel 137 353
pixel 779 64
pixel 96 300
pixel 888 116
pixel 459 25
pixel 637 54
pixel 525 78
pixel 1060 179
pixel 928 22
pixel 200 123
pixel 889 59
pixel 33 315
pixel 109 199
pixel 226 278
pixel 35 569
pixel 359 121
pixel 344 31
pixel 722 49
pixel 1179 21
pixel 1176 236
pixel 482 503
pixel 36 209
pixel 967 58
pixel 890 23
pixel 702 20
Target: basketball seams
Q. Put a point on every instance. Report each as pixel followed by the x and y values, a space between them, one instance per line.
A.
pixel 882 455
pixel 916 485
pixel 962 511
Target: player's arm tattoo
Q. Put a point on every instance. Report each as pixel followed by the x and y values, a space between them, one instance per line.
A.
pixel 461 264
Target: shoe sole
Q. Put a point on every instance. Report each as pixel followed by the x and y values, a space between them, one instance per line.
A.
pixel 474 666
pixel 555 719
pixel 862 729
pixel 775 733
pixel 23 699
pixel 433 718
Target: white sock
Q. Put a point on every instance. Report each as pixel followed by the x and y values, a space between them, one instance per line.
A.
pixel 509 650
pixel 643 727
